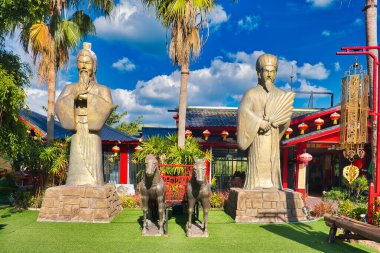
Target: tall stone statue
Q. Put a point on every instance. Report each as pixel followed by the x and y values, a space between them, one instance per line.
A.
pixel 263 116
pixel 83 108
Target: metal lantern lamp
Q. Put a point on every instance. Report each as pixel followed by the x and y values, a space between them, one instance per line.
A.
pixel 354 110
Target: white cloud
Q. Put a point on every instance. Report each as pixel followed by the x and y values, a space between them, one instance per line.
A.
pixel 337 66
pixel 320 3
pixel 326 33
pixel 316 71
pixel 249 23
pixel 124 64
pixel 130 21
pixel 217 16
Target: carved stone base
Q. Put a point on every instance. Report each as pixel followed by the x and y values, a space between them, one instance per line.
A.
pixel 84 203
pixel 196 230
pixel 151 230
pixel 265 206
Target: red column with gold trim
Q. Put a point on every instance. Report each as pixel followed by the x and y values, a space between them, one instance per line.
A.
pixel 124 164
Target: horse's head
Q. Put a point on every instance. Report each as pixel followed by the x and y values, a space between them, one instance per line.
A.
pixel 151 164
pixel 200 170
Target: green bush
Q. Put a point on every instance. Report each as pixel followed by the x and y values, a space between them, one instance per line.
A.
pixel 376 218
pixel 218 199
pixel 21 199
pixel 336 193
pixel 351 210
pixel 130 201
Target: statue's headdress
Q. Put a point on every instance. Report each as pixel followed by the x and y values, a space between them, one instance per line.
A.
pixel 86 51
pixel 265 60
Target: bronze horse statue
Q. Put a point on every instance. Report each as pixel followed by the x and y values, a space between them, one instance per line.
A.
pixel 198 190
pixel 152 190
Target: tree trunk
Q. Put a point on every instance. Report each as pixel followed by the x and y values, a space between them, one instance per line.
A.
pixel 371 36
pixel 182 104
pixel 51 100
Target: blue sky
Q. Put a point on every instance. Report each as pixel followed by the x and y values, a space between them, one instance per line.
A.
pixel 133 62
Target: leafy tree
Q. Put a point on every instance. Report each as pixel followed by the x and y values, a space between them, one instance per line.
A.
pixel 14 76
pixel 115 117
pixel 115 120
pixel 185 19
pixel 131 128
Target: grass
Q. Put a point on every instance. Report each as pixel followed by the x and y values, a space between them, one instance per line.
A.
pixel 20 232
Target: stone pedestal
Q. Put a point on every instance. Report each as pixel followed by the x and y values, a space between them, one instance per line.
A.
pixel 151 229
pixel 196 230
pixel 265 206
pixel 84 203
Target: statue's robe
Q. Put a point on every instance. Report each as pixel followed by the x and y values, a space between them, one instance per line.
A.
pixel 85 120
pixel 264 169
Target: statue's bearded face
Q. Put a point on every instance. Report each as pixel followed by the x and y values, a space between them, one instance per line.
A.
pixel 267 74
pixel 86 70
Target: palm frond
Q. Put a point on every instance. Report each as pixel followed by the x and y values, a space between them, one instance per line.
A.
pixel 40 39
pixel 84 22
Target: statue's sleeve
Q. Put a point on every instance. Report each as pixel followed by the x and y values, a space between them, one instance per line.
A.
pixel 64 108
pixel 248 121
pixel 99 108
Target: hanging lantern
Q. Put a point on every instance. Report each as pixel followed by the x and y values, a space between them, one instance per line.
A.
pixel 350 173
pixel 236 134
pixel 305 158
pixel 319 122
pixel 358 162
pixel 354 110
pixel 288 132
pixel 138 148
pixel 188 133
pixel 176 117
pixel 302 127
pixel 115 150
pixel 335 117
pixel 224 134
pixel 206 133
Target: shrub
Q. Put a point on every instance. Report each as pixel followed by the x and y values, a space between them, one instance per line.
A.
pixel 322 208
pixel 21 199
pixel 335 193
pixel 130 201
pixel 351 210
pixel 376 218
pixel 36 201
pixel 218 199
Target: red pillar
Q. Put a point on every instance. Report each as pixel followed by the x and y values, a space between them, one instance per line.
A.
pixel 285 168
pixel 208 171
pixel 124 164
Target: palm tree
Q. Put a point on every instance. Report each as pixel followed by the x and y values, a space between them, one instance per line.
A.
pixel 51 38
pixel 371 34
pixel 185 18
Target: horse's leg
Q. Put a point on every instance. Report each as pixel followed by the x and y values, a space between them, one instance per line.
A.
pixel 145 200
pixel 191 202
pixel 161 212
pixel 205 206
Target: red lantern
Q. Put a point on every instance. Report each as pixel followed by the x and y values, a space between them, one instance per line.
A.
pixel 288 132
pixel 138 148
pixel 302 127
pixel 206 133
pixel 224 134
pixel 358 162
pixel 188 133
pixel 305 158
pixel 319 122
pixel 115 149
pixel 334 117
pixel 236 133
pixel 176 117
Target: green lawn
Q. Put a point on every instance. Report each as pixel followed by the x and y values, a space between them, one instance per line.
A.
pixel 20 232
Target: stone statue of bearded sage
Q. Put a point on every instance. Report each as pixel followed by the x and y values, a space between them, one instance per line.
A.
pixel 263 116
pixel 83 108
